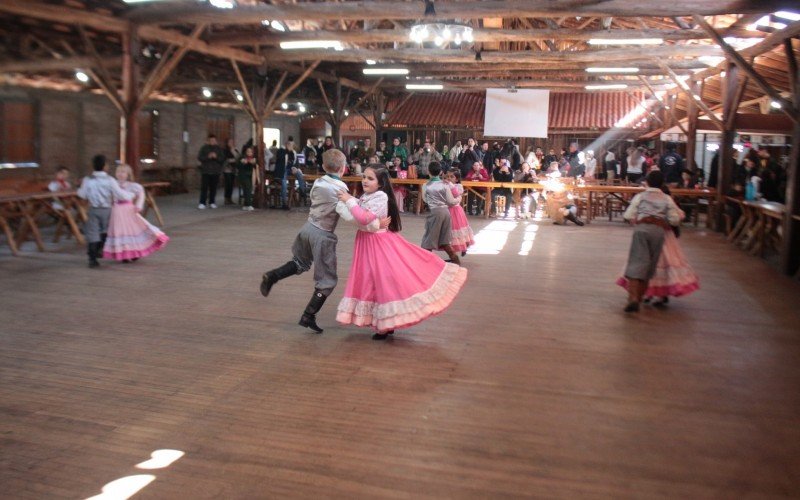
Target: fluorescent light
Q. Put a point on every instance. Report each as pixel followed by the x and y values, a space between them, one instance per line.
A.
pixel 607 86
pixel 775 104
pixel 612 70
pixel 417 86
pixel 711 60
pixel 385 71
pixel 626 41
pixel 207 93
pixel 371 61
pixel 277 25
pixel 81 76
pixel 785 14
pixel 223 4
pixel 312 44
pixel 266 22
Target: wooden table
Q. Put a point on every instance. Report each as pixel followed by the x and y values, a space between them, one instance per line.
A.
pixel 758 226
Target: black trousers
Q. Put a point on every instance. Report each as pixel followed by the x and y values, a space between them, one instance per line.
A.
pixel 208 188
pixel 229 176
pixel 246 183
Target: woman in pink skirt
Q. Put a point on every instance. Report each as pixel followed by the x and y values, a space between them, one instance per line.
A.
pixel 130 236
pixel 392 284
pixel 462 235
pixel 674 276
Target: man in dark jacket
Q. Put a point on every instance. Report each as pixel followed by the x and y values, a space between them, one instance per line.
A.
pixel 286 169
pixel 211 158
pixel 671 165
pixel 468 156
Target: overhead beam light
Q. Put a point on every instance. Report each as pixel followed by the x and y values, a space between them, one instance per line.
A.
pixel 626 41
pixel 301 108
pixel 207 93
pixel 385 71
pixel 239 96
pixel 612 70
pixel 81 76
pixel 785 14
pixel 371 61
pixel 223 4
pixel 776 104
pixel 277 25
pixel 608 86
pixel 420 86
pixel 312 44
pixel 284 106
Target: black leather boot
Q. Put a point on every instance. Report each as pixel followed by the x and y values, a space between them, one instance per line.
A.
pixel 309 319
pixel 91 251
pixel 572 217
pixel 277 274
pixel 101 245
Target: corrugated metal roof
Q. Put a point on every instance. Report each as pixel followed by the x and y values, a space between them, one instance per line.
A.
pixel 571 111
pixel 355 122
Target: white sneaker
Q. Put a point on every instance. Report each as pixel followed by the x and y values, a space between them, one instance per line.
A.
pixel 213 205
pixel 201 207
pixel 245 209
pixel 250 208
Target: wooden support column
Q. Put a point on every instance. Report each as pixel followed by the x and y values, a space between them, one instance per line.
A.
pixel 691 129
pixel 129 123
pixel 790 248
pixel 725 169
pixel 338 114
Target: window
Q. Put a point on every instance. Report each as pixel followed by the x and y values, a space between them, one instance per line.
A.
pixel 18 133
pixel 220 126
pixel 148 136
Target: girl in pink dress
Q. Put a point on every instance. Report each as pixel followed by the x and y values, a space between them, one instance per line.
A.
pixel 674 276
pixel 130 236
pixel 462 235
pixel 392 284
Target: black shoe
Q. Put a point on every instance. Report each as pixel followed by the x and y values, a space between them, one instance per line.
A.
pixel 662 302
pixel 632 307
pixel 310 321
pixel 380 336
pixel 267 281
pixel 464 253
pixel 126 261
pixel 93 264
pixel 284 207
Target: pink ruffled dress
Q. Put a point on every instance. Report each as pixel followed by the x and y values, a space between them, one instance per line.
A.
pixel 674 276
pixel 393 284
pixel 462 235
pixel 130 236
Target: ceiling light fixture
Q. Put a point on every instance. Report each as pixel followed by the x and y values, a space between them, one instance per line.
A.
pixel 301 108
pixel 612 70
pixel 385 71
pixel 371 61
pixel 626 41
pixel 610 86
pixel 239 96
pixel 284 106
pixel 441 34
pixel 312 44
pixel 776 104
pixel 81 76
pixel 277 25
pixel 223 4
pixel 419 86
pixel 207 93
pixel 785 14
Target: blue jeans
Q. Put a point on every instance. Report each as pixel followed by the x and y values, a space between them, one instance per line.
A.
pixel 301 181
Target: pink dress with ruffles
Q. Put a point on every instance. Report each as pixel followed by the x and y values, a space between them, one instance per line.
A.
pixel 674 276
pixel 393 284
pixel 462 235
pixel 130 236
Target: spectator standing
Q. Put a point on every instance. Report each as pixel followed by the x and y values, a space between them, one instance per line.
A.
pixel 212 158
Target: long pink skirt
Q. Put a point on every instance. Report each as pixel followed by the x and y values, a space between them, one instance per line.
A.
pixel 462 235
pixel 130 236
pixel 394 284
pixel 674 276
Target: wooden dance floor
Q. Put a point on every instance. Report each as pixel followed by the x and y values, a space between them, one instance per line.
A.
pixel 534 383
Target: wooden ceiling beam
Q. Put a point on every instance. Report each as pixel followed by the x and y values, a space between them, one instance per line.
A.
pixel 479 34
pixel 464 56
pixel 170 13
pixel 63 64
pixel 698 101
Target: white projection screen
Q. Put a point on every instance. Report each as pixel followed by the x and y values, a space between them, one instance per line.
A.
pixel 516 114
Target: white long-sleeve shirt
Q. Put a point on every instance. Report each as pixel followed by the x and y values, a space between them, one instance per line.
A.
pixel 654 203
pixel 100 189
